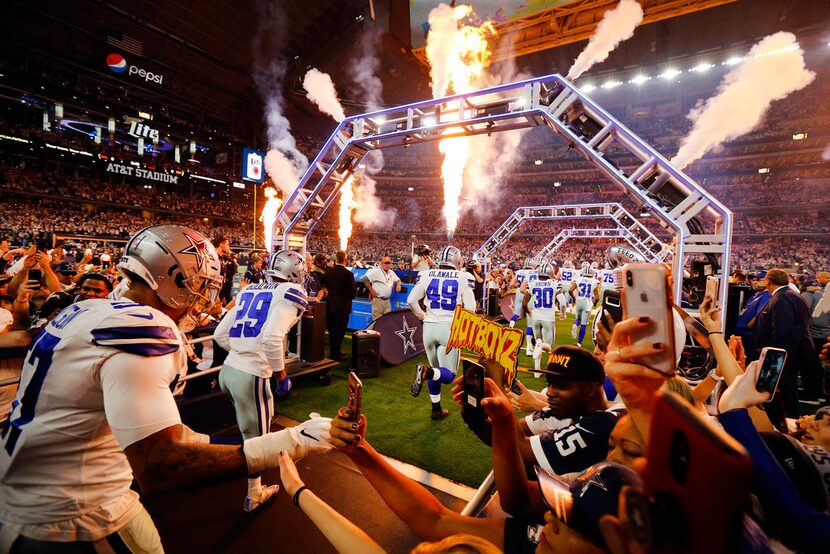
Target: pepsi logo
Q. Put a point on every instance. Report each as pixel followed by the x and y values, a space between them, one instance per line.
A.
pixel 117 63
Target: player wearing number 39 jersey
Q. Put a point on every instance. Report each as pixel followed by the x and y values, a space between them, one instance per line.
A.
pixel 95 410
pixel 441 290
pixel 253 333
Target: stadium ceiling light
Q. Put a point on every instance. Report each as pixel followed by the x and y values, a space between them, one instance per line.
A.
pixel 763 170
pixel 734 60
pixel 639 79
pixel 670 73
pixel 428 121
pixel 702 67
pixel 410 189
pixel 538 162
pixel 799 136
pixel 587 87
pixel 557 184
pixel 609 84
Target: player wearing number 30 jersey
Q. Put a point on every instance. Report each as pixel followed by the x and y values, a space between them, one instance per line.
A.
pixel 540 306
pixel 441 290
pixel 253 333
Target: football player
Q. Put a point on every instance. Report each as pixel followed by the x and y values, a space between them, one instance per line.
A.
pixel 442 290
pixel 586 289
pixel 607 279
pixel 539 304
pixel 253 333
pixel 566 278
pixel 524 277
pixel 95 410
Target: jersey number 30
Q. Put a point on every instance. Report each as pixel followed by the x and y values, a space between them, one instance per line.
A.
pixel 442 296
pixel 251 308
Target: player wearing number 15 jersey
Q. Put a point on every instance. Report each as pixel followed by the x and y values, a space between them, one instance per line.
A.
pixel 442 290
pixel 253 333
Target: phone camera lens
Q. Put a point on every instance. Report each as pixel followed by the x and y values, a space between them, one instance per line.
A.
pixel 629 278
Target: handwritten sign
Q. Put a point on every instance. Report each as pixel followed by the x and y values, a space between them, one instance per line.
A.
pixel 487 339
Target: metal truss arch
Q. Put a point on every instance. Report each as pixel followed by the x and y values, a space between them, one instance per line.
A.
pixel 702 226
pixel 564 235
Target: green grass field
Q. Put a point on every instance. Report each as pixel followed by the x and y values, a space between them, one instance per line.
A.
pixel 399 425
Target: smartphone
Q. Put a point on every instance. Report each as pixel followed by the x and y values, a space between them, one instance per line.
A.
pixel 646 293
pixel 612 304
pixel 771 363
pixel 515 388
pixel 96 260
pixel 35 275
pixel 471 411
pixel 689 461
pixel 354 395
pixel 712 285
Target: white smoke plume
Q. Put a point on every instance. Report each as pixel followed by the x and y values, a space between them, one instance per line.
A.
pixel 368 211
pixel 366 69
pixel 284 162
pixel 320 89
pixel 772 69
pixel 616 26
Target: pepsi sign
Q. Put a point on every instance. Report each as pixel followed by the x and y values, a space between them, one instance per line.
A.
pixel 118 64
pixel 253 165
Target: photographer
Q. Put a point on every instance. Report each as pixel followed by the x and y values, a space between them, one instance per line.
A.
pixel 422 261
pixel 474 269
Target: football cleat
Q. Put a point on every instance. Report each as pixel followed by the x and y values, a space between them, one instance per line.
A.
pixel 265 494
pixel 418 382
pixel 439 414
pixel 574 331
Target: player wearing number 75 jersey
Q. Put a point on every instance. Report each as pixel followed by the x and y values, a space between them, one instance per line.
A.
pixel 442 290
pixel 95 410
pixel 253 333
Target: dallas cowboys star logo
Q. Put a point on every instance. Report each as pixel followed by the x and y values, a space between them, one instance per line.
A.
pixel 595 480
pixel 407 335
pixel 197 248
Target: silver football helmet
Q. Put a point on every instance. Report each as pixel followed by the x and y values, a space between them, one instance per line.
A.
pixel 450 257
pixel 568 264
pixel 530 263
pixel 177 262
pixel 586 268
pixel 546 270
pixel 619 255
pixel 287 265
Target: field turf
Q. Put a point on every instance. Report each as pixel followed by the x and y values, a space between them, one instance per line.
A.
pixel 399 425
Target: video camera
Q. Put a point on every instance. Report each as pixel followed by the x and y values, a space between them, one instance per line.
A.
pixel 422 250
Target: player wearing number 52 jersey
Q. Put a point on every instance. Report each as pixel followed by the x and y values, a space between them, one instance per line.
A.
pixel 253 333
pixel 95 410
pixel 442 290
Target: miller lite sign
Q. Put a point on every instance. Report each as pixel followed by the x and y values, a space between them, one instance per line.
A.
pixel 252 165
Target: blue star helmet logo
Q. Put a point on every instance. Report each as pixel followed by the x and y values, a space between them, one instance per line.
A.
pixel 197 248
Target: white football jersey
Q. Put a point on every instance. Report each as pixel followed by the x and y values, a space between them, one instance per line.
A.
pixel 606 279
pixel 442 290
pixel 253 331
pixel 585 286
pixel 543 292
pixel 97 379
pixel 567 275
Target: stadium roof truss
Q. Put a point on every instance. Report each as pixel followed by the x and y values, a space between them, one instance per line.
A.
pixel 565 234
pixel 701 225
pixel 631 230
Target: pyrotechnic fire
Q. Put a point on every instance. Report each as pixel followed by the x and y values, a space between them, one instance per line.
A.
pixel 269 214
pixel 458 54
pixel 347 204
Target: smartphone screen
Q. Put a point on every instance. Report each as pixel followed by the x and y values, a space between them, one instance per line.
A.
pixel 354 395
pixel 471 410
pixel 612 304
pixel 772 362
pixel 35 275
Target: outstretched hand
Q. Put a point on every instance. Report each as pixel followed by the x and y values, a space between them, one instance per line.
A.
pixel 347 435
pixel 710 315
pixel 495 403
pixel 742 392
pixel 290 477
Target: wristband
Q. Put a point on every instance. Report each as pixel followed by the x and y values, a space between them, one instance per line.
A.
pixel 297 495
pixel 709 334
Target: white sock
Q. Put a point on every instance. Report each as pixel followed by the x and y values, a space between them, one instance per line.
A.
pixel 254 486
pixel 436 373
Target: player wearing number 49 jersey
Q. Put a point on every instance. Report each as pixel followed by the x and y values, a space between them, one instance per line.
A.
pixel 95 410
pixel 442 290
pixel 253 333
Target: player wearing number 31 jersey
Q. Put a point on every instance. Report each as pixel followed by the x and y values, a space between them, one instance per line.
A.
pixel 253 333
pixel 441 290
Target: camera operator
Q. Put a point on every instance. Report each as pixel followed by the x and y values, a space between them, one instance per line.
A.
pixel 474 269
pixel 422 261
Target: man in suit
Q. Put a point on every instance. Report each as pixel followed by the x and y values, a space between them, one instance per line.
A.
pixel 341 287
pixel 785 323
